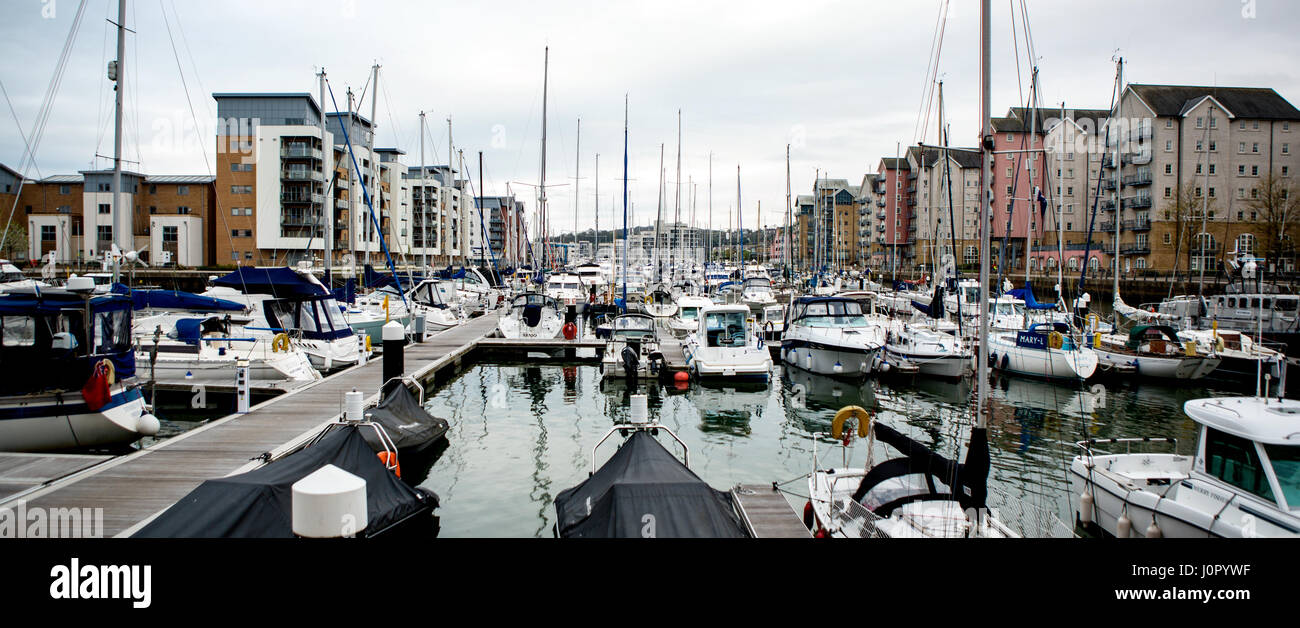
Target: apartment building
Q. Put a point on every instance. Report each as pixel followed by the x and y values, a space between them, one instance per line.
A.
pixel 71 216
pixel 894 243
pixel 944 216
pixel 1195 171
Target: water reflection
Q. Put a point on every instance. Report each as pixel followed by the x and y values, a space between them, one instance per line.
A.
pixel 521 433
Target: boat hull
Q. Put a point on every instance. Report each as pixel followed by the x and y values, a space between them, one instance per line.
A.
pixel 48 422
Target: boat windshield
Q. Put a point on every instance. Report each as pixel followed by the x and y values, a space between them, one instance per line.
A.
pixel 689 313
pixel 831 314
pixel 725 329
pixel 1286 466
pixel 532 298
pixel 758 282
pixel 634 323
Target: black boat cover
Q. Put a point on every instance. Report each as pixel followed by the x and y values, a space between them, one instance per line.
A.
pixel 259 504
pixel 643 491
pixel 970 478
pixel 411 428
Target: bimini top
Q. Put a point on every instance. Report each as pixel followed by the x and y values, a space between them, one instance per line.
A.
pixel 54 300
pixel 1263 420
pixel 642 490
pixel 1139 333
pixel 278 282
pixel 1026 294
pixel 177 300
pixel 535 299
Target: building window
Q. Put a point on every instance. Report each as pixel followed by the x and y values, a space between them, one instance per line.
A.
pixel 105 208
pixel 241 233
pixel 1241 147
pixel 1242 126
pixel 1286 170
pixel 1168 239
pixel 63 189
pixel 104 187
pixel 1169 124
pixel 1169 146
pixel 241 189
pixel 1142 261
pixel 1286 148
pixel 1214 122
pixel 170 234
pixel 1254 147
pixel 1246 244
pixel 1254 171
pixel 1255 125
pixel 182 190
pixel 248 255
pixel 182 210
pixel 1199 146
pixel 48 233
pixel 1211 192
pixel 1200 122
pixel 1211 168
pixel 1241 170
pixel 1198 168
pixel 153 209
pixel 1168 192
pixel 104 233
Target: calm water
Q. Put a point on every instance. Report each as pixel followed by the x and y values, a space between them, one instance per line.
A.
pixel 520 434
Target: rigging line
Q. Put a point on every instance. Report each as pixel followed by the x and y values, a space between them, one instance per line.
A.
pixel 1015 39
pixel 194 68
pixel 1101 173
pixel 929 63
pixel 19 125
pixel 101 122
pixel 216 201
pixel 43 114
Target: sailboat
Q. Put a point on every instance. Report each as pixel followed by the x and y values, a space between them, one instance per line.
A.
pixel 920 493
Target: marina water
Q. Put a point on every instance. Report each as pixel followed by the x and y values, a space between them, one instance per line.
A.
pixel 521 433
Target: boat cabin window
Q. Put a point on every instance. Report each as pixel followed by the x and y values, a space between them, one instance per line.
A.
pixel 1268 304
pixel 1254 303
pixel 1286 467
pixel 689 313
pixel 833 314
pixel 1236 461
pixel 1232 301
pixel 17 331
pixel 112 332
pixel 1288 305
pixel 725 329
pixel 307 317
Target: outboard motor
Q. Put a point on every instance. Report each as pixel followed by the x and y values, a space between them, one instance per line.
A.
pixel 631 356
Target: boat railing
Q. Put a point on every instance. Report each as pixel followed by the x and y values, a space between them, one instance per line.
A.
pixel 642 424
pixel 1088 445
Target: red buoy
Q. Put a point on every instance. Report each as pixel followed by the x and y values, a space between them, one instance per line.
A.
pixel 570 331
pixel 681 376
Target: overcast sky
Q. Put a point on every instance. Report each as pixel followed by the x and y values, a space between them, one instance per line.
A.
pixel 843 82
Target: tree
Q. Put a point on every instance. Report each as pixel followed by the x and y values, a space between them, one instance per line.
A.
pixel 1277 206
pixel 15 239
pixel 1188 212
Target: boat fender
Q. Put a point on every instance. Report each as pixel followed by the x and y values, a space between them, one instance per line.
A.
pixel 390 460
pixel 809 519
pixel 368 346
pixel 993 360
pixel 147 424
pixel 884 367
pixel 858 414
pixel 96 391
pixel 1153 530
pixel 570 331
pixel 1006 362
pixel 1123 526
pixel 1085 508
pixel 280 343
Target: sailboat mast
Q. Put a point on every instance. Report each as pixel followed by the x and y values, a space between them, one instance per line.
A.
pixel 122 232
pixel 327 205
pixel 577 174
pixel 1119 181
pixel 1032 160
pixel 985 221
pixel 424 204
pixel 595 238
pixel 1060 215
pixel 543 219
pixel 624 200
pixel 677 203
pixel 787 211
pixel 659 216
pixel 740 223
pixel 449 185
pixel 374 163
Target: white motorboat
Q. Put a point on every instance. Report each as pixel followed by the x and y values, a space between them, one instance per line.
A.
pixel 1242 481
pixel 62 386
pixel 436 300
pixel 293 302
pixel 726 345
pixel 831 336
pixel 1242 361
pixel 632 349
pixel 1153 351
pixel 184 347
pixel 688 314
pixel 756 292
pixel 932 352
pixel 566 289
pixel 532 315
pixel 1046 351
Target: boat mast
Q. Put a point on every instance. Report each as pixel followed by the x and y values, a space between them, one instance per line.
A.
pixel 595 238
pixel 787 212
pixel 374 162
pixel 577 174
pixel 677 204
pixel 327 205
pixel 542 219
pixel 659 217
pixel 740 224
pixel 1119 181
pixel 450 186
pixel 122 230
pixel 624 200
pixel 708 249
pixel 424 204
pixel 1032 160
pixel 979 434
pixel 1060 215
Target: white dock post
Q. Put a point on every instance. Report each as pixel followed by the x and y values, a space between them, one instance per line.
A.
pixel 361 348
pixel 243 392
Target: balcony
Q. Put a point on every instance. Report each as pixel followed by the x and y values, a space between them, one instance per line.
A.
pixel 299 220
pixel 295 197
pixel 299 151
pixel 1135 249
pixel 1107 227
pixel 340 203
pixel 1140 159
pixel 880 203
pixel 1137 202
pixel 1141 224
pixel 881 215
pixel 301 174
pixel 1106 206
pixel 911 202
pixel 1143 177
pixel 881 227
